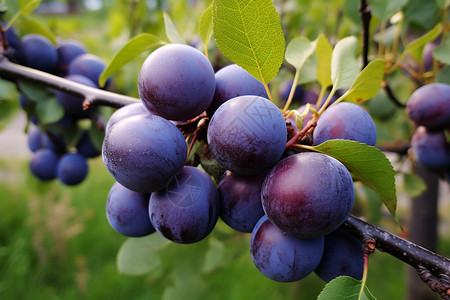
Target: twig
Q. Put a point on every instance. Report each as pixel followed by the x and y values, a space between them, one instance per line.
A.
pixel 13 72
pixel 391 95
pixel 365 14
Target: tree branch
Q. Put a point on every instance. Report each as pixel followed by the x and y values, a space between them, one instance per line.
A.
pixel 365 14
pixel 408 252
pixel 13 72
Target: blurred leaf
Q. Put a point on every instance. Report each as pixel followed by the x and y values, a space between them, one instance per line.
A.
pixel 441 52
pixel 249 33
pixel 214 256
pixel 26 7
pixel 420 42
pixel 30 25
pixel 139 256
pixel 344 66
pixel 298 50
pixel 421 13
pixel 384 9
pixel 49 110
pixel 444 75
pixel 367 164
pixel 413 184
pixel 345 287
pixel 324 53
pixel 130 51
pixel 187 285
pixel 171 31
pixel 97 136
pixel 34 91
pixel 308 71
pixel 206 27
pixel 367 84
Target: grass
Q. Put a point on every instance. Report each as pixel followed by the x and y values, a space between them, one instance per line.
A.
pixel 55 243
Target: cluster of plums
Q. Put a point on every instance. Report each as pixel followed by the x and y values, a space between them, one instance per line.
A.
pixel 60 149
pixel 429 108
pixel 293 206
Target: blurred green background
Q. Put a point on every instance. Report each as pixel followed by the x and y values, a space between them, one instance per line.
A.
pixel 55 241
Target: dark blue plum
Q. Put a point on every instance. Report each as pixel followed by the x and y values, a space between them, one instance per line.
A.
pixel 24 101
pixel 176 82
pixel 247 135
pixel 73 105
pixel 55 142
pixel 233 81
pixel 281 257
pixel 429 106
pixel 67 52
pixel 36 51
pixel 342 256
pixel 431 149
pixel 72 168
pixel 126 111
pixel 127 211
pixel 308 194
pixel 12 37
pixel 144 152
pixel 187 210
pixel 310 96
pixel 35 139
pixel 240 200
pixel 90 66
pixel 345 121
pixel 285 90
pixel 43 164
pixel 86 147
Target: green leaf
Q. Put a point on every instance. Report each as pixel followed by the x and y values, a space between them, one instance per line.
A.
pixel 420 42
pixel 324 52
pixel 345 287
pixel 138 256
pixel 206 26
pixel 49 110
pixel 367 84
pixel 298 50
pixel 30 25
pixel 384 9
pixel 131 50
pixel 249 33
pixel 26 7
pixel 34 91
pixel 171 31
pixel 367 164
pixel 413 185
pixel 214 257
pixel 344 66
pixel 422 13
pixel 441 52
pixel 308 71
pixel 97 136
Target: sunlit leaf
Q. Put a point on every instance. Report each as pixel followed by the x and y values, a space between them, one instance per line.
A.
pixel 384 9
pixel 441 52
pixel 345 287
pixel 249 33
pixel 367 164
pixel 324 52
pixel 367 84
pixel 344 66
pixel 30 25
pixel 171 31
pixel 130 51
pixel 420 42
pixel 206 26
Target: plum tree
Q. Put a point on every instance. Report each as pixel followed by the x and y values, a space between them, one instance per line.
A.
pixel 240 200
pixel 144 152
pixel 127 211
pixel 295 200
pixel 247 134
pixel 187 210
pixel 176 82
pixel 345 121
pixel 282 257
pixel 232 81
